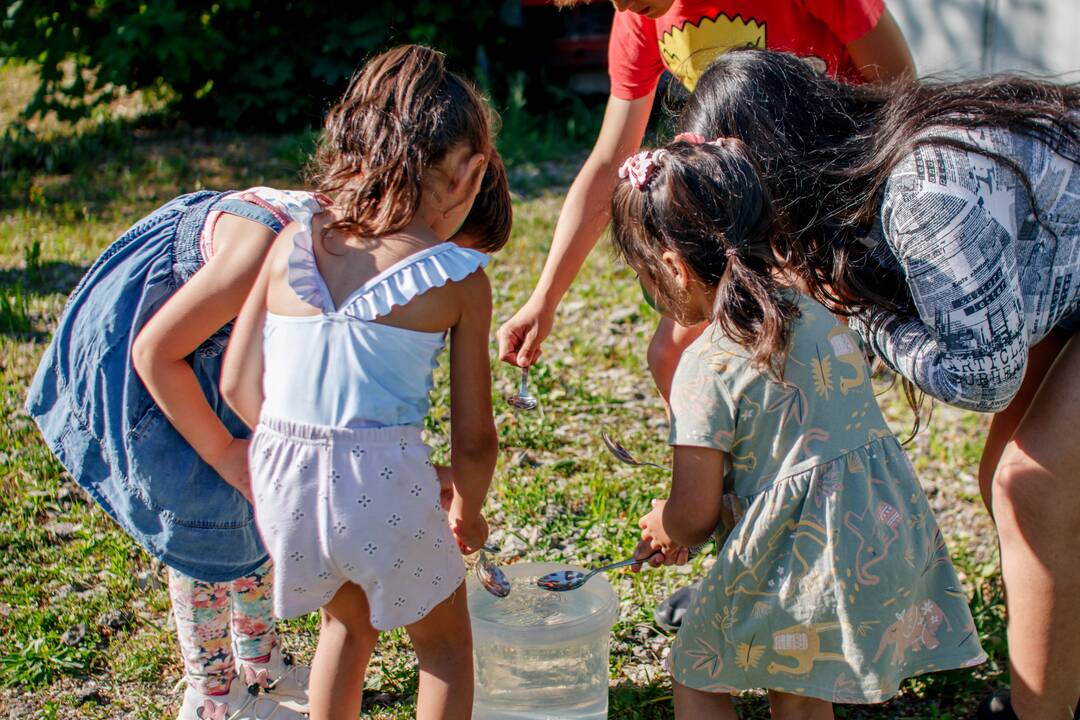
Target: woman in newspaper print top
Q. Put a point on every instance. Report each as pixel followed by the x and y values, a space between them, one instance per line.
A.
pixel 944 220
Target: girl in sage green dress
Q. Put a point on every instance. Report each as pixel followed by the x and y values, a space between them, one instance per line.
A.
pixel 833 582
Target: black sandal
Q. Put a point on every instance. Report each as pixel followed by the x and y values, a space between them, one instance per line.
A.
pixel 669 614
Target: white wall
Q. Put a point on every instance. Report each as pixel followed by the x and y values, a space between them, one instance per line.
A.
pixel 971 37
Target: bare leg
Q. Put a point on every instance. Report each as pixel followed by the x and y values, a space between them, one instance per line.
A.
pixel 346 641
pixel 665 349
pixel 1004 424
pixel 784 706
pixel 691 704
pixel 1036 503
pixel 443 644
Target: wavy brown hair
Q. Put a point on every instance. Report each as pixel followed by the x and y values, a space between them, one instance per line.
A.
pixel 402 113
pixel 488 223
pixel 707 202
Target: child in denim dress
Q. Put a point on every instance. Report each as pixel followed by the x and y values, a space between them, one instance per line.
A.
pixel 833 582
pixel 332 361
pixel 127 396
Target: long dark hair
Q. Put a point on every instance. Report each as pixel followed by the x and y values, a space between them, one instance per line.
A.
pixel 403 111
pixel 827 149
pixel 707 202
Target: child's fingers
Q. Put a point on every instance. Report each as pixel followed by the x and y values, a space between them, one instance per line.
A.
pixel 529 349
pixel 243 485
pixel 446 486
pixel 643 550
pixel 676 556
pixel 509 337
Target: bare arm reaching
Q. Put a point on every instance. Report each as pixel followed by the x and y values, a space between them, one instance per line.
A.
pixel 474 443
pixel 585 214
pixel 883 54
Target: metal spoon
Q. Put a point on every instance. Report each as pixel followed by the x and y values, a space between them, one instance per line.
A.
pixel 490 575
pixel 623 455
pixel 523 400
pixel 563 580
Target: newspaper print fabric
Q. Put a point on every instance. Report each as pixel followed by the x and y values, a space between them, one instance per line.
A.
pixel 987 279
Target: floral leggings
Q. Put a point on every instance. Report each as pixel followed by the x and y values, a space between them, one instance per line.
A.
pixel 203 614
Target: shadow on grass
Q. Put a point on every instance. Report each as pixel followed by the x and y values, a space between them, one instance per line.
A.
pixel 52 276
pixel 18 286
pixel 124 165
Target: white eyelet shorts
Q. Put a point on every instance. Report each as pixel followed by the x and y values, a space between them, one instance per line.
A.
pixel 360 505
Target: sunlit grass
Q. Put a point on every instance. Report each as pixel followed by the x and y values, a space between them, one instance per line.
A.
pixel 84 626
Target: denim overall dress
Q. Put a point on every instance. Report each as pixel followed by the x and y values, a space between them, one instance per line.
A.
pixel 98 418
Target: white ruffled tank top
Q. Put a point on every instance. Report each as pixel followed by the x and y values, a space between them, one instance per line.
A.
pixel 340 368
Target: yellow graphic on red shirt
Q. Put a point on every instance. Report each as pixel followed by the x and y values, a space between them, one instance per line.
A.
pixel 687 50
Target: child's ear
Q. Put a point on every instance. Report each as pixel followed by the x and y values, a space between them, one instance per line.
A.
pixel 469 174
pixel 677 268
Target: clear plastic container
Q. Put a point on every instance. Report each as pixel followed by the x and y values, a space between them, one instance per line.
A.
pixel 542 654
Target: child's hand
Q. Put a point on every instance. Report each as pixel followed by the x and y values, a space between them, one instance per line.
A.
pixel 645 549
pixel 470 530
pixel 445 474
pixel 654 535
pixel 232 466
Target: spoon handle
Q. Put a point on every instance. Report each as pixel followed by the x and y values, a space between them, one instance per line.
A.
pixel 690 554
pixel 524 390
pixel 625 563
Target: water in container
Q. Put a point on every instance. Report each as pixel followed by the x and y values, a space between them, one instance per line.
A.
pixel 541 654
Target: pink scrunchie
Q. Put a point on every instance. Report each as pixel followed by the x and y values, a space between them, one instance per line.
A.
pixel 640 168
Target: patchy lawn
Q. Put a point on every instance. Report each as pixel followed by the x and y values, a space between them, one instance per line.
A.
pixel 85 630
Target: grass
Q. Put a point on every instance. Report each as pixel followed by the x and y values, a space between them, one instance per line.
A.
pixel 84 625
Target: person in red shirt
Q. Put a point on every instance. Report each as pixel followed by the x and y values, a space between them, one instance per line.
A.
pixel 856 40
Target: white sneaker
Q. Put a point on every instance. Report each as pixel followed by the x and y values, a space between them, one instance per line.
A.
pixel 280 680
pixel 239 704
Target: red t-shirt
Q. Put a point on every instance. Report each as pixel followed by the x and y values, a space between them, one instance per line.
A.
pixel 690 34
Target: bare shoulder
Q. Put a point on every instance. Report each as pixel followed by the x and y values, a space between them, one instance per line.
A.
pixel 457 303
pixel 471 295
pixel 239 241
pixel 475 284
pixel 281 298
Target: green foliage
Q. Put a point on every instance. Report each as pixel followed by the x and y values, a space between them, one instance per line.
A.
pixel 236 63
pixel 558 495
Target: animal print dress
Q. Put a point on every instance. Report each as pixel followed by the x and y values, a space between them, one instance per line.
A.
pixel 833 580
